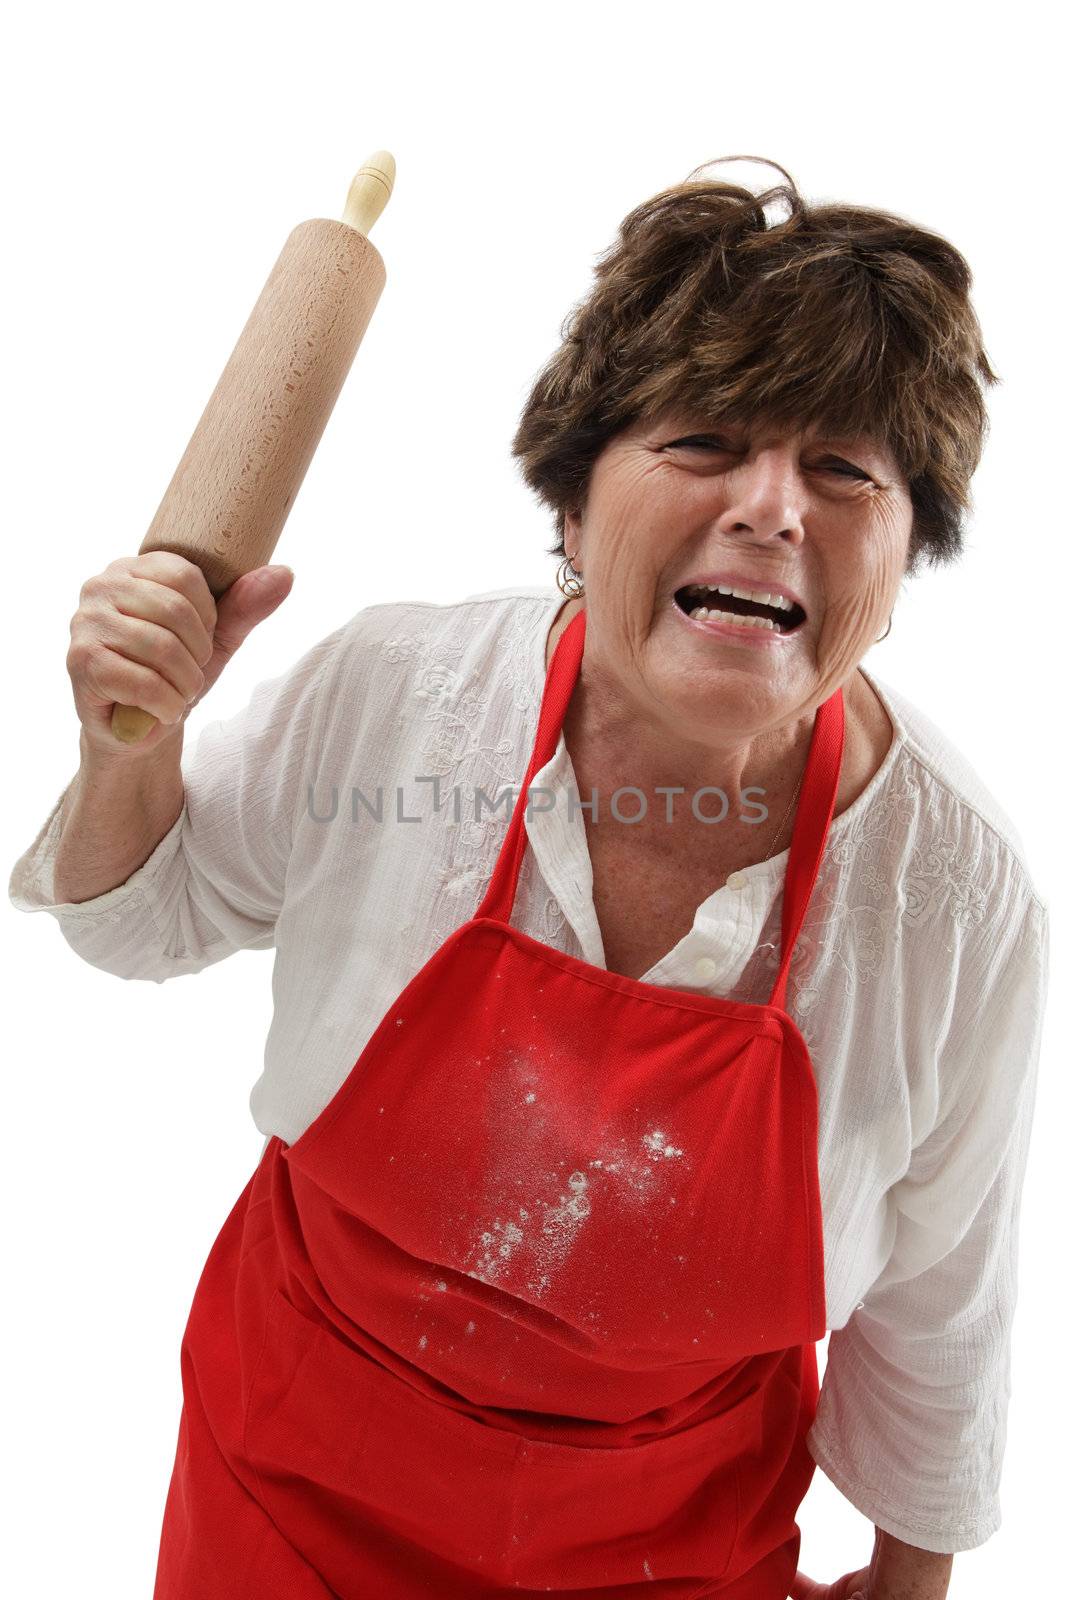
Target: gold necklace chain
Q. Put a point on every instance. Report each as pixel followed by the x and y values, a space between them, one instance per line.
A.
pixel 785 814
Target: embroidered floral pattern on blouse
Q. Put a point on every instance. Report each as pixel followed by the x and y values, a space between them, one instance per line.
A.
pixel 402 648
pixel 939 875
pixel 436 683
pixel 455 713
pixel 906 888
pixel 524 692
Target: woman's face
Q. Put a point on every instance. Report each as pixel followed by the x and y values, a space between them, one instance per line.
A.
pixel 823 522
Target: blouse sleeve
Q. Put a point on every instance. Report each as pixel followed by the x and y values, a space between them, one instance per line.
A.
pixel 912 1416
pixel 214 883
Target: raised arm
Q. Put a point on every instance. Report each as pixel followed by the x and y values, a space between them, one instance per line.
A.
pixel 147 632
pixel 136 889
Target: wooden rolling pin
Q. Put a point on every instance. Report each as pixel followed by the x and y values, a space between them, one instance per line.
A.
pixel 235 485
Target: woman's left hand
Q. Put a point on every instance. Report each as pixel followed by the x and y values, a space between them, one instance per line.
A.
pixel 853 1586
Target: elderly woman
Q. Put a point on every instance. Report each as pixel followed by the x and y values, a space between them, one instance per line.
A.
pixel 574 1152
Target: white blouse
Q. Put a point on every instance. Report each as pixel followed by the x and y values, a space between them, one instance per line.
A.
pixel 919 982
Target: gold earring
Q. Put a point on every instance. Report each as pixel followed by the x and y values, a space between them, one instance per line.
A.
pixel 572 585
pixel 885 635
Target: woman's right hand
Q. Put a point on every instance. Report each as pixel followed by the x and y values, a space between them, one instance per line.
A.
pixel 148 632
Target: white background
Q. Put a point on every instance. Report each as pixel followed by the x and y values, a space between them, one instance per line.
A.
pixel 156 159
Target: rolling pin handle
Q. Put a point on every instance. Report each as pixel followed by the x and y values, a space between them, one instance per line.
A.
pixel 369 191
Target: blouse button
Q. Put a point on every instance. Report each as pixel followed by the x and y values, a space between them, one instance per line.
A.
pixel 706 967
pixel 736 880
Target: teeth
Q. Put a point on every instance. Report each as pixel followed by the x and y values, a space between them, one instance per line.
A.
pixel 764 597
pixel 703 614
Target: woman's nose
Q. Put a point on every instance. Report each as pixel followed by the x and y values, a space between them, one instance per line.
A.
pixel 765 499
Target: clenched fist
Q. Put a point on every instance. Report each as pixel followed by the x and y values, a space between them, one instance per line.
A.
pixel 149 633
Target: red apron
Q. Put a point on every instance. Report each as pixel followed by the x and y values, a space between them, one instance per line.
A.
pixel 531 1305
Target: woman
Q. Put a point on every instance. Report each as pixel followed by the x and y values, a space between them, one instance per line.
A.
pixel 741 1049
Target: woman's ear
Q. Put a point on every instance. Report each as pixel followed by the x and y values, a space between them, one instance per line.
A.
pixel 572 534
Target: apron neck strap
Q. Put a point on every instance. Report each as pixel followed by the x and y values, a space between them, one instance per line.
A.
pixel 815 808
pixel 815 812
pixel 559 686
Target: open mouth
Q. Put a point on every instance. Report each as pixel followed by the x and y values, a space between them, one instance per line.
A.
pixel 713 603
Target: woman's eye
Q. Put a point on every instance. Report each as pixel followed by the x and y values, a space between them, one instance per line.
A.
pixel 717 444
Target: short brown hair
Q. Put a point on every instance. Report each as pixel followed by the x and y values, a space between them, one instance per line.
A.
pixel 852 317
